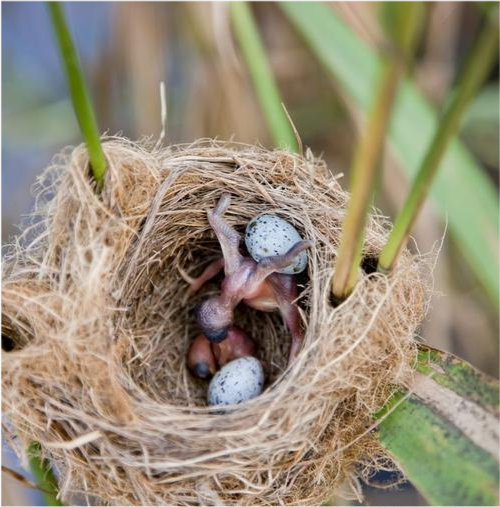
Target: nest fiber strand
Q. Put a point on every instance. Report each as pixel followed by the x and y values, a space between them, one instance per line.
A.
pixel 95 302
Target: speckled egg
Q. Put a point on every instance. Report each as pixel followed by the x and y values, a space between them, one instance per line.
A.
pixel 236 382
pixel 268 235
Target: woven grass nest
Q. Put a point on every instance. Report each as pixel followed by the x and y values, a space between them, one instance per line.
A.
pixel 99 318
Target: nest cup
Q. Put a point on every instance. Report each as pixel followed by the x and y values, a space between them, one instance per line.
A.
pixel 97 311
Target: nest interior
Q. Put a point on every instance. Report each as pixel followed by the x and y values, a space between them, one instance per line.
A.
pixel 99 320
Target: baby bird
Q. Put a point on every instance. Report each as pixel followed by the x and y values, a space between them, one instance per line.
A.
pixel 236 344
pixel 257 284
pixel 204 357
pixel 200 358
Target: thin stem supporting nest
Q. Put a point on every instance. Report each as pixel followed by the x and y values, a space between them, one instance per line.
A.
pixel 78 91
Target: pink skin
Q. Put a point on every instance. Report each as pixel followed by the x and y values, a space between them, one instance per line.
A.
pixel 255 283
pixel 236 344
pixel 200 358
pixel 204 357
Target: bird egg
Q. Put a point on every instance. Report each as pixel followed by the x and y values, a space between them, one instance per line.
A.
pixel 269 235
pixel 238 381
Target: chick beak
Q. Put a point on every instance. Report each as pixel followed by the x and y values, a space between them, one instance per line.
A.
pixel 200 358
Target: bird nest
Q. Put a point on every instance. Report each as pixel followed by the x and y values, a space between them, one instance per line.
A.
pixel 98 319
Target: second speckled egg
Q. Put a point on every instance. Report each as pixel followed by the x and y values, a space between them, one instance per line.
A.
pixel 268 235
pixel 238 381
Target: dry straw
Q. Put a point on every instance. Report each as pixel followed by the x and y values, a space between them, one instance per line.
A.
pixel 95 303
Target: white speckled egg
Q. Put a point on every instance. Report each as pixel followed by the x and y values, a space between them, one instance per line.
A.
pixel 237 381
pixel 268 235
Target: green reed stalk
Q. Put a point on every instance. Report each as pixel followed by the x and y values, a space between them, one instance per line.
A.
pixel 78 91
pixel 262 77
pixel 474 72
pixel 366 163
pixel 88 126
pixel 364 171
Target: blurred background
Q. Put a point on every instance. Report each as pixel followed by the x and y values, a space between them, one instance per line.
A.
pixel 127 48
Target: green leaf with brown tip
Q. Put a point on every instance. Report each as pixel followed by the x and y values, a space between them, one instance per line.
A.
pixel 444 434
pixel 453 372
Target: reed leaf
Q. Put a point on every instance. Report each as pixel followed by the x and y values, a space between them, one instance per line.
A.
pixel 444 431
pixel 261 74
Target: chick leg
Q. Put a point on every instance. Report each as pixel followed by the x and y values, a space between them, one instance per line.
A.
pixel 285 289
pixel 208 273
pixel 228 237
pixel 291 316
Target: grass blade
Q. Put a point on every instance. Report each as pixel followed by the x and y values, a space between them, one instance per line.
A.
pixel 460 181
pixel 43 475
pixel 473 74
pixel 445 434
pixel 78 91
pixel 262 77
pixel 481 125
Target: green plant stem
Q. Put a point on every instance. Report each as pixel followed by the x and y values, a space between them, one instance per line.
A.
pixel 473 74
pixel 363 174
pixel 404 23
pixel 262 77
pixel 475 227
pixel 43 474
pixel 78 91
